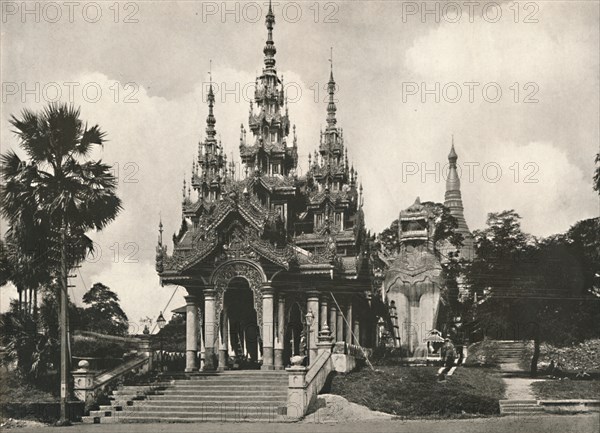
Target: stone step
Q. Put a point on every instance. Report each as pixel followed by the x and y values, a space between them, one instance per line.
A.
pixel 539 411
pixel 198 399
pixel 529 401
pixel 200 415
pixel 240 389
pixel 214 395
pixel 203 408
pixel 208 418
pixel 206 404
pixel 245 383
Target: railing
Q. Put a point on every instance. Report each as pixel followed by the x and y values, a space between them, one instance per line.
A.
pixel 87 381
pixel 317 376
pixel 305 384
pixel 117 372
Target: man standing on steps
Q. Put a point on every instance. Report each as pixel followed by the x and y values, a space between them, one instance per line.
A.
pixel 448 353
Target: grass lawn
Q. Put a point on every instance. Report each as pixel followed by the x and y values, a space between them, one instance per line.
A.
pixel 567 389
pixel 414 392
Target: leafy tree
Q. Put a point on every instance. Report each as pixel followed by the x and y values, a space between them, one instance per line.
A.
pixel 445 227
pixel 56 192
pixel 528 288
pixel 389 238
pixel 104 314
pixel 32 342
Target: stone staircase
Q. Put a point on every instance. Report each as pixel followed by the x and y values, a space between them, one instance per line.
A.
pixel 232 396
pixel 509 352
pixel 520 400
pixel 520 407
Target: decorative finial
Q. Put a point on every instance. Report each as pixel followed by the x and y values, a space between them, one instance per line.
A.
pixel 331 108
pixel 270 49
pixel 160 229
pixel 331 58
pixel 452 157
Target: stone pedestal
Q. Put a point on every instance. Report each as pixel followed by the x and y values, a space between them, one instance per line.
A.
pixel 83 386
pixel 296 400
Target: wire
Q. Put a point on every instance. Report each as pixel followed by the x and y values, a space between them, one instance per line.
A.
pixel 166 306
pixel 350 329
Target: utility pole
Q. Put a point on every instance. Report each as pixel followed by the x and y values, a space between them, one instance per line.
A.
pixel 64 305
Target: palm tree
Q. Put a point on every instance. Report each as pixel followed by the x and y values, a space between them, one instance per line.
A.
pixel 55 196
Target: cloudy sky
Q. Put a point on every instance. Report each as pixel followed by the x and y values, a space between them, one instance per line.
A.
pixel 517 86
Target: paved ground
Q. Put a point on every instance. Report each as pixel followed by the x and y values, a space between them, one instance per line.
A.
pixel 510 424
pixel 517 388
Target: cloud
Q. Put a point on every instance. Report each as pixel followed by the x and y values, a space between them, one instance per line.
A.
pixel 153 141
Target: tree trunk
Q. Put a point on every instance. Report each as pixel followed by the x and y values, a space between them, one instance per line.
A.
pixel 35 306
pixel 20 298
pixel 25 303
pixel 536 354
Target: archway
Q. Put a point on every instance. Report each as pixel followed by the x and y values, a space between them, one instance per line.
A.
pixel 244 342
pixel 295 339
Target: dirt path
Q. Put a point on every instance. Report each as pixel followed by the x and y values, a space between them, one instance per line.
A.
pixel 517 387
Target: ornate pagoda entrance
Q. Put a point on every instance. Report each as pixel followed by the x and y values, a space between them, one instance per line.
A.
pixel 242 341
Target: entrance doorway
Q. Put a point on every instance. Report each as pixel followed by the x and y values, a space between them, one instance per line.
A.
pixel 245 344
pixel 295 338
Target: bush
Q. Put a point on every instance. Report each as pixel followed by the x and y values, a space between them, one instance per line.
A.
pixel 576 358
pixel 483 353
pixel 84 346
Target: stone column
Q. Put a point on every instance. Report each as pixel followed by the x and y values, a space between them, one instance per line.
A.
pixel 325 340
pixel 349 322
pixel 268 331
pixel 210 337
pixel 356 339
pixel 191 333
pixel 224 342
pixel 333 320
pixel 339 325
pixel 201 341
pixel 324 326
pixel 279 341
pixel 313 334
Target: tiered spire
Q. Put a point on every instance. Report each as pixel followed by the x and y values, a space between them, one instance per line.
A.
pixel 270 49
pixel 333 172
pixel 211 161
pixel 211 132
pixel 268 119
pixel 331 108
pixel 453 201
